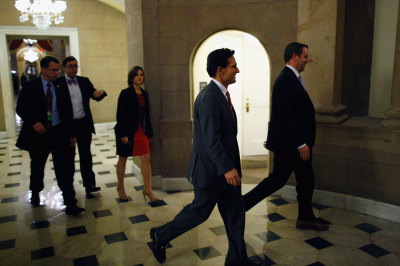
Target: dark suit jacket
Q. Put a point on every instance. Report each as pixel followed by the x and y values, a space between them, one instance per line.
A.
pixel 128 117
pixel 87 91
pixel 32 108
pixel 292 114
pixel 215 149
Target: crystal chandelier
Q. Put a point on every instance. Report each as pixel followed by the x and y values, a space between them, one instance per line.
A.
pixel 43 12
pixel 30 55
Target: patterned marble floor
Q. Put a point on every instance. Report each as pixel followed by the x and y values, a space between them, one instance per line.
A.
pixel 115 233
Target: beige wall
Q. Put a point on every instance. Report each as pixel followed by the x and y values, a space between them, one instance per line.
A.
pixel 102 44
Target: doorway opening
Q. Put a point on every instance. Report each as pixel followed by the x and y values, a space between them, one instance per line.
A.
pixel 251 92
pixel 8 33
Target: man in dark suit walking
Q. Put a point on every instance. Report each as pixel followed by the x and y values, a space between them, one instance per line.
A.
pixel 46 128
pixel 214 168
pixel 80 90
pixel 291 136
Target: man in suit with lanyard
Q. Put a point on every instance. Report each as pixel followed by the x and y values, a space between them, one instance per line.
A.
pixel 46 128
pixel 80 90
pixel 214 167
pixel 291 136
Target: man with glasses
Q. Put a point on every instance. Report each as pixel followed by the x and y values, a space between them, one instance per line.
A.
pixel 46 128
pixel 80 90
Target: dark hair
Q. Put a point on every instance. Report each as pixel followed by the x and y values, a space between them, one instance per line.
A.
pixel 218 58
pixel 133 73
pixel 294 47
pixel 45 62
pixel 68 59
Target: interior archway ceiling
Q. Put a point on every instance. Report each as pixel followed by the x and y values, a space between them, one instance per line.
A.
pixel 117 4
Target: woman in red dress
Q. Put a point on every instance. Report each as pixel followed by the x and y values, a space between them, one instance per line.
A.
pixel 133 131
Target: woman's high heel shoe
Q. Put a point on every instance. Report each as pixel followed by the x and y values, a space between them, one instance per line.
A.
pixel 122 199
pixel 151 197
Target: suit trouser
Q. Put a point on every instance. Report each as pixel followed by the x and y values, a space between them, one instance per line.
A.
pixel 59 146
pixel 230 205
pixel 284 164
pixel 83 135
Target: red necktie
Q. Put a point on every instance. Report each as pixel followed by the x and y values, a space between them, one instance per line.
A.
pixel 229 100
pixel 49 101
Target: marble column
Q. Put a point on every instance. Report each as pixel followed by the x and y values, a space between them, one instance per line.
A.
pixel 134 32
pixel 394 111
pixel 321 26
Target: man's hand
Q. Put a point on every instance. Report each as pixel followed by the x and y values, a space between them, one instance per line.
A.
pixel 73 142
pixel 98 93
pixel 124 140
pixel 39 128
pixel 232 177
pixel 305 153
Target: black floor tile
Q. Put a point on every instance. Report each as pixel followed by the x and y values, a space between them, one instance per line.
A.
pixel 129 175
pixel 268 236
pixel 173 191
pixel 262 259
pixel 218 230
pixel 104 150
pixel 111 157
pixel 374 250
pixel 320 206
pixel 117 237
pixel 103 172
pixel 16 156
pixel 279 201
pixel 11 185
pixel 42 253
pixel 369 228
pixel 139 219
pixel 15 164
pixel 207 253
pixel 76 231
pixel 97 163
pixel 9 218
pixel 10 199
pixel 157 203
pixel 5 244
pixel 114 184
pixel 318 243
pixel 138 188
pixel 99 144
pixel 13 173
pixel 274 217
pixel 102 213
pixel 316 264
pixel 86 261
pixel 40 224
pixel 122 201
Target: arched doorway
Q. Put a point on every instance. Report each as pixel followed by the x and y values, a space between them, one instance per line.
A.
pixel 250 94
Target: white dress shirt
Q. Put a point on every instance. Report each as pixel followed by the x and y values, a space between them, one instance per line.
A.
pixel 76 99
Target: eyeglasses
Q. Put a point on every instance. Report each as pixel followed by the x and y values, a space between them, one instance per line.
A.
pixel 72 66
pixel 54 69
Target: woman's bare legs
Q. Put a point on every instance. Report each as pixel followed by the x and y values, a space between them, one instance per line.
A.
pixel 121 165
pixel 146 173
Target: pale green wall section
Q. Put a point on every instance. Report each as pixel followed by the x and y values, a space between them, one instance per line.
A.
pixel 383 56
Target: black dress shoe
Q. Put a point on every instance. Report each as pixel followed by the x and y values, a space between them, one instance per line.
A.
pixel 92 189
pixel 74 210
pixel 35 199
pixel 157 248
pixel 313 224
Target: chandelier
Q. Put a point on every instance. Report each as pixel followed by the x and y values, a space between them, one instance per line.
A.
pixel 30 55
pixel 43 12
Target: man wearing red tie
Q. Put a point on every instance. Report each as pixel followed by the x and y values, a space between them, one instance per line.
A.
pixel 291 136
pixel 46 128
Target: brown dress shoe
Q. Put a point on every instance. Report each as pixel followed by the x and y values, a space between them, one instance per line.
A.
pixel 311 224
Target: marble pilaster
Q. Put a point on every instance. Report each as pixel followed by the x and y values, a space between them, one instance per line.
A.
pixel 394 111
pixel 320 26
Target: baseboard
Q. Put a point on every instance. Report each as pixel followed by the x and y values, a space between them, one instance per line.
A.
pixel 3 135
pixel 366 206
